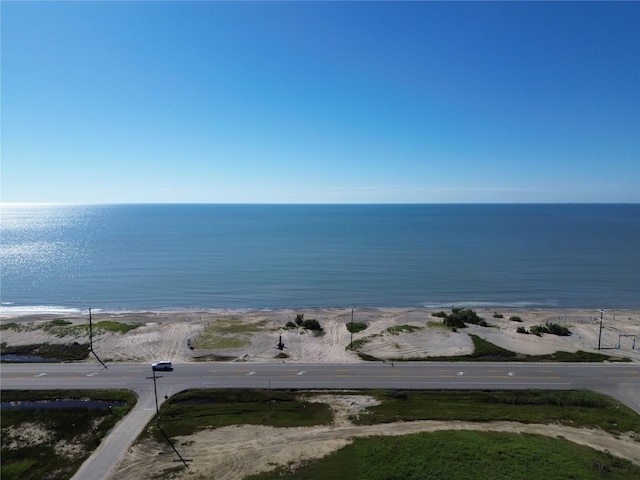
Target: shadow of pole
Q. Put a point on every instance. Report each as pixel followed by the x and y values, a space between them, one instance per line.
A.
pixel 166 437
pixel 91 342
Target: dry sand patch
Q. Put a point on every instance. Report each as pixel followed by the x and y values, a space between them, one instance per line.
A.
pixel 169 335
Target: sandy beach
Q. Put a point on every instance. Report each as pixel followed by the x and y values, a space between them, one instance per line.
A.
pixel 253 335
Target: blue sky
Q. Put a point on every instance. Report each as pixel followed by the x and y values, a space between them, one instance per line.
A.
pixel 327 102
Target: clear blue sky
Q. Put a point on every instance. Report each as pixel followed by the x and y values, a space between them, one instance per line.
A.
pixel 126 102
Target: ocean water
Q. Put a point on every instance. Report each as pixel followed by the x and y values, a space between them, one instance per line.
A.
pixel 153 257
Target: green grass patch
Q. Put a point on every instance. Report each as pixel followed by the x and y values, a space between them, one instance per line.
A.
pixel 18 327
pixel 368 358
pixel 58 322
pixel 235 326
pixel 220 343
pixel 579 356
pixel 194 410
pixel 359 343
pixel 227 333
pixel 356 327
pixel 10 326
pixel 112 395
pixel 461 455
pixel 61 327
pixel 55 351
pixel 114 327
pixel 398 329
pixel 106 326
pixel 437 325
pixel 573 407
pixel 487 350
pixel 25 458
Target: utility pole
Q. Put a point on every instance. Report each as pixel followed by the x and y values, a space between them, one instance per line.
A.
pixel 351 327
pixel 600 333
pixel 91 341
pixel 155 391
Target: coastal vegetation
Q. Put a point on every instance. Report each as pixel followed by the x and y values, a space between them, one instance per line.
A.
pixel 227 333
pixel 198 409
pixel 355 327
pixel 398 329
pixel 193 410
pixel 549 327
pixel 60 352
pixel 576 408
pixel 37 444
pixel 360 342
pixel 459 317
pixel 61 327
pixel 460 454
pixel 484 351
pixel 310 324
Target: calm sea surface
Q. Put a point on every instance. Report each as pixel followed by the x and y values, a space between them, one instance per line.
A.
pixel 138 257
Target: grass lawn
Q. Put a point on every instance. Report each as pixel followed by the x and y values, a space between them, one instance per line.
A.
pixel 194 410
pixel 576 408
pixel 459 455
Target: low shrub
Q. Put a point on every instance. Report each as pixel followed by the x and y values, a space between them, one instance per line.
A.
pixel 312 324
pixel 552 328
pixel 459 318
pixel 356 327
pixel 398 329
pixel 356 344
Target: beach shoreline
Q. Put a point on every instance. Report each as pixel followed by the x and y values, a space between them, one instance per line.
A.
pixel 253 335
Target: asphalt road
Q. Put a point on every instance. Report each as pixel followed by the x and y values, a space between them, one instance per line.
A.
pixel 621 381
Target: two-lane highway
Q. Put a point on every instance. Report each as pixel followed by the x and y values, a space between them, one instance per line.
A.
pixel 408 375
